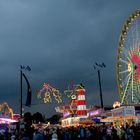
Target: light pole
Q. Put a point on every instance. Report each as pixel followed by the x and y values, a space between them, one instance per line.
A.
pixel 21 67
pixel 98 67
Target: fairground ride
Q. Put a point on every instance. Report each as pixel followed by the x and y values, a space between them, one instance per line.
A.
pixel 128 61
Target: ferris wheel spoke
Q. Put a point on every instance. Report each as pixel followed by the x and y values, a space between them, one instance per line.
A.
pixel 133 36
pixel 136 32
pixel 138 93
pixel 129 59
pixel 126 79
pixel 130 53
pixel 132 87
pixel 137 35
pixel 128 46
pixel 138 88
pixel 125 89
pixel 125 71
pixel 124 61
pixel 126 52
pixel 138 49
pixel 127 55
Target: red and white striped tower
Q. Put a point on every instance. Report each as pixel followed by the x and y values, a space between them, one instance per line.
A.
pixel 81 102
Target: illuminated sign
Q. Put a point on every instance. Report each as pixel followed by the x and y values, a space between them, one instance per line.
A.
pixel 123 111
pixel 96 112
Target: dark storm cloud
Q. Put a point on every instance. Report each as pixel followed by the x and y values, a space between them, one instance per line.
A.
pixel 60 40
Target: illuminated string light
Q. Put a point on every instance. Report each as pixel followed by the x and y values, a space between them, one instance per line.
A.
pixel 71 92
pixel 47 92
pixel 6 111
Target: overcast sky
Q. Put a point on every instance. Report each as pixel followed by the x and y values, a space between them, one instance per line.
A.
pixel 60 40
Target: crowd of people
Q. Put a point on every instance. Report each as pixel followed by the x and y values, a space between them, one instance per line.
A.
pixel 102 132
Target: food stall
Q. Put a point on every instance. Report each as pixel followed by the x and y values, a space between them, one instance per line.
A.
pixel 122 115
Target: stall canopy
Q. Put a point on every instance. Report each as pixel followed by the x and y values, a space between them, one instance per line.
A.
pixel 87 122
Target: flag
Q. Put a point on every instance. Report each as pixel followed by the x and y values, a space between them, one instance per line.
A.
pixel 29 92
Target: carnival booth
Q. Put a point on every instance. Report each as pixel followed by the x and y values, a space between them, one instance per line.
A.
pixel 122 115
pixel 96 115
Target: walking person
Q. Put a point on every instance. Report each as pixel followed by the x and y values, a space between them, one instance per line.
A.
pixel 54 136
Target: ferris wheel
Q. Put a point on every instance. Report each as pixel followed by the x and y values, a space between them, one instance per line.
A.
pixel 128 61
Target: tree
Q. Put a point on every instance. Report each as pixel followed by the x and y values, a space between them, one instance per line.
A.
pixel 54 119
pixel 37 117
pixel 27 117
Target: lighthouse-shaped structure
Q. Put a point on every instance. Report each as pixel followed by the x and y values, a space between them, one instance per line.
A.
pixel 81 102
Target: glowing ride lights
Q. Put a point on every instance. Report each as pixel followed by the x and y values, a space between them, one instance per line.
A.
pixel 136 67
pixel 129 67
pixel 66 114
pixel 71 91
pixel 96 112
pixel 6 121
pixel 6 111
pixel 75 113
pixel 116 104
pixel 7 115
pixel 128 61
pixel 47 92
pixel 68 109
pixel 77 95
pixel 81 102
pixel 72 121
pixel 133 69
